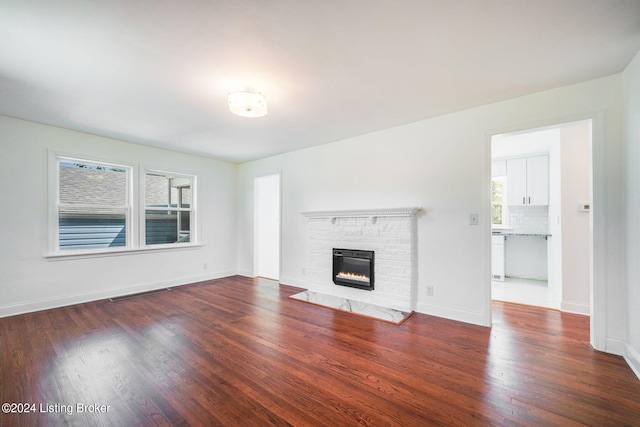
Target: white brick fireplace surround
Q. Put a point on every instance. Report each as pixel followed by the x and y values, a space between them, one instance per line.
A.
pixel 390 233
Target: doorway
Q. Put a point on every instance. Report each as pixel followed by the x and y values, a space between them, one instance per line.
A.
pixel 267 227
pixel 541 233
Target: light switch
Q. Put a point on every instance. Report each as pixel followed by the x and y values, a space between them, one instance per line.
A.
pixel 473 219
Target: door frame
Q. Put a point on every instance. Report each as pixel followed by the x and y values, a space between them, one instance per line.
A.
pixel 256 225
pixel 597 238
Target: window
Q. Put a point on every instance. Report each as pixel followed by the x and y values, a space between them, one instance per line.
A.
pixel 169 208
pixel 499 208
pixel 92 204
pixel 92 209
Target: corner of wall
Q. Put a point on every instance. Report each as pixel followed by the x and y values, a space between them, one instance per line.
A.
pixel 631 153
pixel 615 346
pixel 293 281
pixel 575 308
pixel 633 360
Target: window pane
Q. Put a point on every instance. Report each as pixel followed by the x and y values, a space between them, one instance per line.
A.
pixel 84 228
pixel 497 201
pixel 184 198
pixel 92 185
pixel 156 190
pixel 497 192
pixel 496 214
pixel 166 191
pixel 163 227
pixel 185 225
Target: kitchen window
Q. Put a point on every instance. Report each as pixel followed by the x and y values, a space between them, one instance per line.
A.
pixel 499 208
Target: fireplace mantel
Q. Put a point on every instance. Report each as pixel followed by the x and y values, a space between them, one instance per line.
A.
pixel 372 214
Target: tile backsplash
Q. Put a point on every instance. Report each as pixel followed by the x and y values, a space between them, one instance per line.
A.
pixel 529 219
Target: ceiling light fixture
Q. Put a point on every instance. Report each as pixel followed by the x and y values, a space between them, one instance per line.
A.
pixel 247 103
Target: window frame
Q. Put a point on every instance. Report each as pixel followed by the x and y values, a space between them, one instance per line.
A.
pixel 192 209
pixel 55 162
pixel 134 213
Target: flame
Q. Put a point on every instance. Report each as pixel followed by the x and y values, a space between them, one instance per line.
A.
pixel 351 276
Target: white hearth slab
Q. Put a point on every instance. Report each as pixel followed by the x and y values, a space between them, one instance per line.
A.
pixel 381 313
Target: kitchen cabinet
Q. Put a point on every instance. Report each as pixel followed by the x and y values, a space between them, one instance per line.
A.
pixel 528 181
pixel 497 258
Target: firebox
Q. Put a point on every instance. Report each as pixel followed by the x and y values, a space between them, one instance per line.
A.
pixel 354 268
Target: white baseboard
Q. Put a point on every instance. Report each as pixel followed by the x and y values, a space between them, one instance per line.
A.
pixel 453 314
pixel 632 356
pixel 48 303
pixel 294 281
pixel 284 280
pixel 245 273
pixel 615 346
pixel 575 308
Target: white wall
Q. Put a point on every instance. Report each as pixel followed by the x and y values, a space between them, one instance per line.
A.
pixel 575 145
pixel 631 80
pixel 29 281
pixel 443 165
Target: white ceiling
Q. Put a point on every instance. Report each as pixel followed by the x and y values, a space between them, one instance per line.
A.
pixel 157 72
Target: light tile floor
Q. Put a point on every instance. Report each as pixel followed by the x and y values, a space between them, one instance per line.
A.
pixel 521 291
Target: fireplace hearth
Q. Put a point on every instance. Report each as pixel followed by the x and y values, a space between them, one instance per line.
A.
pixel 353 268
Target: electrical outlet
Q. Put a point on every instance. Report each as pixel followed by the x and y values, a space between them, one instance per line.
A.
pixel 304 271
pixel 429 291
pixel 473 219
pixel 205 266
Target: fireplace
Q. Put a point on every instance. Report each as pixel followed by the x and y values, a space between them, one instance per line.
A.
pixel 353 268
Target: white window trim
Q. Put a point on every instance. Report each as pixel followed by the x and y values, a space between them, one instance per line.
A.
pixel 90 253
pixel 134 213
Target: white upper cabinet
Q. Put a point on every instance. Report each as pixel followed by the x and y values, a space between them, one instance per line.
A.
pixel 517 182
pixel 538 180
pixel 528 181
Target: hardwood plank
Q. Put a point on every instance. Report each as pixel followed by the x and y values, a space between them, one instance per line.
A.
pixel 238 351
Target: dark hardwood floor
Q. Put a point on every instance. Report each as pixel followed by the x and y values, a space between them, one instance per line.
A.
pixel 238 352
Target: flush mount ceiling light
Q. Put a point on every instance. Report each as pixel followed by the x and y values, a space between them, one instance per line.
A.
pixel 247 103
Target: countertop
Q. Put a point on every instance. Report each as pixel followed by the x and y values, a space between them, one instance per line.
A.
pixel 517 233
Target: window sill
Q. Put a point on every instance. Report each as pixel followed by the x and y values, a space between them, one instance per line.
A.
pixel 71 255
